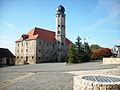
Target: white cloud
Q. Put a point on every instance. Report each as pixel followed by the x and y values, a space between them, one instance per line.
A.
pixel 7 36
pixel 7 42
pixel 112 10
pixel 100 30
pixel 111 6
pixel 117 41
pixel 10 25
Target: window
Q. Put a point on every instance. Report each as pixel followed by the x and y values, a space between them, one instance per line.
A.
pixel 21 50
pixel 58 42
pixel 26 50
pixel 58 25
pixel 62 44
pixel 18 44
pixel 58 32
pixel 39 43
pixel 22 44
pixel 26 43
pixel 62 25
pixel 18 50
pixel 39 50
pixel 62 15
pixel 21 57
pixel 38 58
pixel 17 57
pixel 58 15
pixel 32 57
pixel 53 45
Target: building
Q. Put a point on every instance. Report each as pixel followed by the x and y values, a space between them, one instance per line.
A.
pixel 116 51
pixel 6 57
pixel 41 45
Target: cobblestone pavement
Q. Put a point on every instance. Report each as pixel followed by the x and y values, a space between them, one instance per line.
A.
pixel 45 76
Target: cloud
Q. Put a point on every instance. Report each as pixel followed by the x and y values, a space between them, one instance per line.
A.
pixel 100 30
pixel 7 42
pixel 117 41
pixel 111 8
pixel 10 25
pixel 7 35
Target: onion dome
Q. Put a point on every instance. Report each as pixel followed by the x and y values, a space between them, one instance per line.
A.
pixel 60 9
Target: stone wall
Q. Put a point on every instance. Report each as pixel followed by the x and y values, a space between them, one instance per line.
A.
pixel 45 51
pixel 111 60
pixel 81 84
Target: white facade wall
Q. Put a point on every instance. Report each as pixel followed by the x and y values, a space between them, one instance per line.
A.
pixel 25 52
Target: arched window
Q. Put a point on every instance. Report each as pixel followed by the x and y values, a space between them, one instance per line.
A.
pixel 58 32
pixel 62 44
pixel 58 25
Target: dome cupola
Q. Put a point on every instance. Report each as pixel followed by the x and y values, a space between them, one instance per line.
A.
pixel 60 9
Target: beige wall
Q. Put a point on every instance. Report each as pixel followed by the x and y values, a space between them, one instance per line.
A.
pixel 38 51
pixel 111 60
pixel 25 49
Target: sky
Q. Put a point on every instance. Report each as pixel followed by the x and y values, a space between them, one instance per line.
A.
pixel 96 20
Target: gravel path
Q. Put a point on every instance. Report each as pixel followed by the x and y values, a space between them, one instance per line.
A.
pixel 44 81
pixel 47 76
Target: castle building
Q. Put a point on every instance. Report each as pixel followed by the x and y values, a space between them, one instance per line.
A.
pixel 41 45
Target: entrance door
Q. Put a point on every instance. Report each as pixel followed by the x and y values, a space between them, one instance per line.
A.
pixel 26 61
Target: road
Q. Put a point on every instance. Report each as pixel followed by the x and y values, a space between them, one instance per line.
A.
pixel 44 76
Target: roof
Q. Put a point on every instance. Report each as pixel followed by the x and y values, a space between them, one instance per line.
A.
pixel 5 53
pixel 60 9
pixel 39 33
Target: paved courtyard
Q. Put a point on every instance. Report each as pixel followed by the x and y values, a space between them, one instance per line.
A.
pixel 45 76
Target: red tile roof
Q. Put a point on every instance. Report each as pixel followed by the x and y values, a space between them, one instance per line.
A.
pixel 39 33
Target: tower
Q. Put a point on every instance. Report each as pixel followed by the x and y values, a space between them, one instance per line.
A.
pixel 60 31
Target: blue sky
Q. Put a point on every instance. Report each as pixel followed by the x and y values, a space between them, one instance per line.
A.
pixel 96 20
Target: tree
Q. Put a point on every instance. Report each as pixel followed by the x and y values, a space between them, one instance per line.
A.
pixel 94 46
pixel 87 52
pixel 86 47
pixel 78 52
pixel 79 44
pixel 79 49
pixel 100 53
pixel 72 54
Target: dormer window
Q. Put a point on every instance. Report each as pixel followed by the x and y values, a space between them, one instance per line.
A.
pixel 24 36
